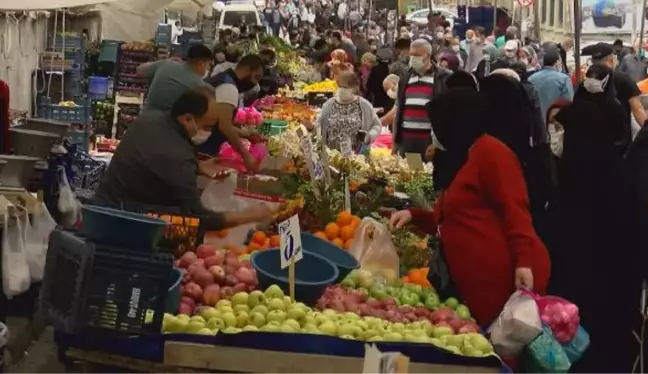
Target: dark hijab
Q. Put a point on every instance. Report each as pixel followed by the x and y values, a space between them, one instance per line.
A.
pixel 456 129
pixel 462 79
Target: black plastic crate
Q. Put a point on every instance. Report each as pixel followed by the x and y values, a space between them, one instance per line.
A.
pixel 183 233
pixel 93 288
pixel 318 98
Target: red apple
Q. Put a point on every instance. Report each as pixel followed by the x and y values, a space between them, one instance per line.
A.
pixel 446 324
pixel 198 265
pixel 244 275
pixel 193 290
pixel 205 250
pixel 185 309
pixel 231 280
pixel 213 260
pixel 218 273
pixel 187 259
pixel 211 295
pixel 468 328
pixel 203 278
pixel 232 261
pixel 188 300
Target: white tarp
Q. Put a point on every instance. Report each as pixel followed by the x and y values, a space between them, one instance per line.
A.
pixel 47 4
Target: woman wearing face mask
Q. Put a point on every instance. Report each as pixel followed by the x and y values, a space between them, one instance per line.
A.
pixel 155 164
pixel 390 86
pixel 347 116
pixel 481 216
pixel 595 230
pixel 598 89
pixel 555 129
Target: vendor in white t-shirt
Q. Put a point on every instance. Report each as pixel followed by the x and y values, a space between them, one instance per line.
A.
pixel 227 86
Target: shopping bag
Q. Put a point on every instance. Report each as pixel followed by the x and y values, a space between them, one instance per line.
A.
pixel 439 275
pixel 15 269
pixel 67 204
pixel 578 345
pixel 558 314
pixel 545 354
pixel 373 248
pixel 517 325
pixel 36 238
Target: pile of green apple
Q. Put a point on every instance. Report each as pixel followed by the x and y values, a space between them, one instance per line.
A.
pixel 272 311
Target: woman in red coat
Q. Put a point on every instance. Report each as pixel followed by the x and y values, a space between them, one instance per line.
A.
pixel 482 214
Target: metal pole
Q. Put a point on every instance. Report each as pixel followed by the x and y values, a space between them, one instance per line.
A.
pixel 643 25
pixel 494 16
pixel 577 36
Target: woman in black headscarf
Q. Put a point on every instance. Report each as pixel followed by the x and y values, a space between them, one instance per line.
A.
pixel 594 241
pixel 598 89
pixel 482 212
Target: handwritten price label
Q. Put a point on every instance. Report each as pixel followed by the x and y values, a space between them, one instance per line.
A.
pixel 290 241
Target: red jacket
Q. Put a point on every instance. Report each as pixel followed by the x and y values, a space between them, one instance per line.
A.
pixel 487 231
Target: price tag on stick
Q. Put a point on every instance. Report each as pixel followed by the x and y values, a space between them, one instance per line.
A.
pixel 345 147
pixel 290 246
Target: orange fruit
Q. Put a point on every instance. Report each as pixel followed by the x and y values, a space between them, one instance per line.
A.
pixel 355 221
pixel 321 235
pixel 254 246
pixel 344 218
pixel 347 244
pixel 346 232
pixel 274 241
pixel 338 242
pixel 266 243
pixel 332 230
pixel 259 237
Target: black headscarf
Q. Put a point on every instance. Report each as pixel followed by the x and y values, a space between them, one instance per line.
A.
pixel 458 116
pixel 462 79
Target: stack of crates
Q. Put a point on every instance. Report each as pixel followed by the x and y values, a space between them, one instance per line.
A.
pixel 72 45
pixel 92 288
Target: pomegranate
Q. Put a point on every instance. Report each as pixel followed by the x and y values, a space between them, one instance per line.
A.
pixel 205 250
pixel 203 278
pixel 187 259
pixel 193 290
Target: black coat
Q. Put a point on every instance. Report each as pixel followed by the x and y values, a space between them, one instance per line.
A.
pixel 375 92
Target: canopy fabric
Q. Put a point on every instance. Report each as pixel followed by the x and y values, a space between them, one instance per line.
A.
pixel 18 5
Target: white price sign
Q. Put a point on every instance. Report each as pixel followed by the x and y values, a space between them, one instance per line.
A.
pixel 290 241
pixel 313 161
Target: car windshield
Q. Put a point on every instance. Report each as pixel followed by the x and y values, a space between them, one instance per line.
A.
pixel 234 17
pixel 421 14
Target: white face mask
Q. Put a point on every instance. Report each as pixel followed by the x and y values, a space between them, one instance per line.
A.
pixel 594 85
pixel 455 48
pixel 392 94
pixel 556 140
pixel 345 94
pixel 201 136
pixel 436 143
pixel 439 35
pixel 417 63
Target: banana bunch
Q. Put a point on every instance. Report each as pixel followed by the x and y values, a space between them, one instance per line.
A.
pixel 346 165
pixel 326 85
pixel 68 103
pixel 274 146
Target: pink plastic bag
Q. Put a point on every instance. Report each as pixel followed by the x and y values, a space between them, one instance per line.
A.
pixel 230 158
pixel 560 315
pixel 248 116
pixel 383 141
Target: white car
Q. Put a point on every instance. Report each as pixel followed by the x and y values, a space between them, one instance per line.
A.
pixel 420 16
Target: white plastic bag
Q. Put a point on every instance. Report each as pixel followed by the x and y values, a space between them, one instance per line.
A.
pixel 37 240
pixel 373 248
pixel 218 196
pixel 517 325
pixel 67 204
pixel 15 269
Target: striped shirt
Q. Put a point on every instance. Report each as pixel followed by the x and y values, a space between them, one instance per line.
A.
pixel 418 93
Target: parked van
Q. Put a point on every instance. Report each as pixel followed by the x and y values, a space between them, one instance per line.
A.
pixel 233 14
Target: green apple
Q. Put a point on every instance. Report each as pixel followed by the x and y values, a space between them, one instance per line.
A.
pixel 287 329
pixel 452 302
pixel 226 309
pixel 274 292
pixel 432 301
pixel 276 316
pixel 209 313
pixel 276 304
pixel 242 319
pixel 349 329
pixel 255 298
pixel 453 340
pixel 479 342
pixel 348 283
pixel 351 316
pixel 250 328
pixel 197 319
pixel 167 321
pixel 222 303
pixel 379 294
pixel 311 329
pixel 436 341
pixel 179 325
pixel 328 328
pixel 414 288
pixel 463 312
pixel 393 336
pixel 376 338
pixel 349 337
pixel 409 298
pixel 241 308
pixel 257 319
pixel 368 334
pixel 293 323
pixel 262 309
pixel 308 319
pixel 216 323
pixel 301 306
pixel 321 318
pixel 230 319
pixel 397 327
pixel 231 330
pixel 454 350
pixel 440 331
pixel 295 313
pixel 330 312
pixel 205 331
pixel 194 326
pixel 287 300
pixel 362 324
pixel 240 298
pixel 270 327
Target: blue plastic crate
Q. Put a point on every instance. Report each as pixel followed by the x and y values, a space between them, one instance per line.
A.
pixel 98 87
pixel 72 114
pixel 80 138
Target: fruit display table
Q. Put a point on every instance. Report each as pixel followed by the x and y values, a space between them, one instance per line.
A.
pixel 272 352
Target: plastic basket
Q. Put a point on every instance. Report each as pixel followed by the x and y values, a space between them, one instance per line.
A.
pixel 92 288
pixel 72 114
pixel 98 87
pixel 273 127
pixel 183 232
pixel 81 139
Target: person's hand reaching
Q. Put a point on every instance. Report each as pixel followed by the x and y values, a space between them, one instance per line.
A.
pixel 399 219
pixel 524 278
pixel 250 163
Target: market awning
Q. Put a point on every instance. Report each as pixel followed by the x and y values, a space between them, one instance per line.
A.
pixel 20 5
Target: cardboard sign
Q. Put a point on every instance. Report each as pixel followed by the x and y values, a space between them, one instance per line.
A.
pixel 290 241
pixel 414 161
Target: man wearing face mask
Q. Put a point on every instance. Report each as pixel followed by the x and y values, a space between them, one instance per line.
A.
pixel 168 79
pixel 418 86
pixel 401 54
pixel 465 44
pixel 228 85
pixel 550 82
pixel 155 164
